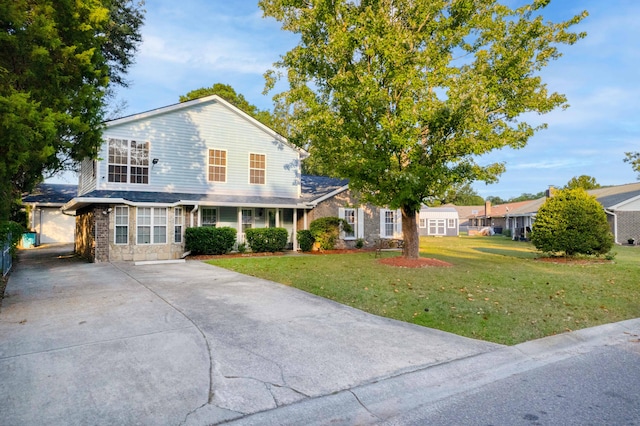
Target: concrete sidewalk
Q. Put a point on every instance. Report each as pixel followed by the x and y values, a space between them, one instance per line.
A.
pixel 194 344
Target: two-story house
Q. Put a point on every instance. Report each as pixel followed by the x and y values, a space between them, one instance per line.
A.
pixel 197 163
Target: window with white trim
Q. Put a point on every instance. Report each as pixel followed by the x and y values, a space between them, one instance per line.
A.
pixel 247 219
pixel 257 169
pixel 423 222
pixel 389 223
pixel 350 218
pixel 151 226
pixel 451 223
pixel 178 223
pixel 128 161
pixel 122 225
pixel 217 165
pixel 208 216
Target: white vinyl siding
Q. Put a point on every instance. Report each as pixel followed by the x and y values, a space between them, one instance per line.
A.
pixel 181 139
pixel 122 225
pixel 151 226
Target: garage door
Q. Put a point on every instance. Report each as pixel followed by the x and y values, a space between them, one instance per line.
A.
pixel 55 227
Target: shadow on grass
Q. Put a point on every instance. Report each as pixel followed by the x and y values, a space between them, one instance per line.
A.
pixel 520 254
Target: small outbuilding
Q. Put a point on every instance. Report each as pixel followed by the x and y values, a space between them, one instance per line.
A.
pixel 438 222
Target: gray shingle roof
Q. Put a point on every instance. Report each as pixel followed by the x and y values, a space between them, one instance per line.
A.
pixel 313 187
pixel 52 193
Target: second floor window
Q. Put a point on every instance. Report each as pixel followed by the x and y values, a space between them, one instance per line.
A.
pixel 257 169
pixel 128 161
pixel 217 165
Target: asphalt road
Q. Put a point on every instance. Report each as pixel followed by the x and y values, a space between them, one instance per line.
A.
pixel 601 387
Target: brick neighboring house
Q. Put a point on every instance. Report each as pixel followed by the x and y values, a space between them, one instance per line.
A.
pixel 621 203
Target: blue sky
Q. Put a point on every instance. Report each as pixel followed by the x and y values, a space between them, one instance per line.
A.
pixel 195 43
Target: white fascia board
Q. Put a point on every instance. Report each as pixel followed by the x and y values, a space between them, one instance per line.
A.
pixel 252 205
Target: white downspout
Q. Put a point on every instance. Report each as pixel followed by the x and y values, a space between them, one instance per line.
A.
pixel 615 225
pixel 193 221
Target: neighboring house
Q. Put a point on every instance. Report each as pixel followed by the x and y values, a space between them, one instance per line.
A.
pixel 438 221
pixel 498 217
pixel 46 218
pixel 622 205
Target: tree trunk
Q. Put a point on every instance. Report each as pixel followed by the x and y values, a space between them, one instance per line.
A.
pixel 410 233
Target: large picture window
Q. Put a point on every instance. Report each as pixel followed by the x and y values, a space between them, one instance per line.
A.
pixel 217 165
pixel 151 225
pixel 122 225
pixel 128 161
pixel 257 169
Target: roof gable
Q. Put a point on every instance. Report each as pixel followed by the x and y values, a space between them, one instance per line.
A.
pixel 212 99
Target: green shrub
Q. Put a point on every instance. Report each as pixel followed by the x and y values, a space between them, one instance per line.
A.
pixel 326 231
pixel 572 222
pixel 210 240
pixel 13 229
pixel 305 239
pixel 359 243
pixel 267 239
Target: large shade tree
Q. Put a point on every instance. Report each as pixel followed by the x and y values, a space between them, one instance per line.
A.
pixel 59 60
pixel 402 96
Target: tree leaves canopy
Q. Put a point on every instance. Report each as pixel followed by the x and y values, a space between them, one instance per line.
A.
pixel 58 59
pixel 583 181
pixel 400 96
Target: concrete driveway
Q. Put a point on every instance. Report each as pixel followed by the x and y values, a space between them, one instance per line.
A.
pixel 194 344
pixel 186 343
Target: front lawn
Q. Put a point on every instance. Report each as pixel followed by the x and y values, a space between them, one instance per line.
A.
pixel 496 290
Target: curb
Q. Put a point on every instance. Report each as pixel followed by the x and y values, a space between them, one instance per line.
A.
pixel 378 402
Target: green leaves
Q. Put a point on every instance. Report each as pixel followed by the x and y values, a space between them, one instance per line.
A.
pixel 401 96
pixel 572 222
pixel 57 60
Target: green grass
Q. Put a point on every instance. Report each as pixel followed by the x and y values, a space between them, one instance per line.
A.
pixel 495 290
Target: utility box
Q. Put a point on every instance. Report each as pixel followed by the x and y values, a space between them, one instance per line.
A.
pixel 29 240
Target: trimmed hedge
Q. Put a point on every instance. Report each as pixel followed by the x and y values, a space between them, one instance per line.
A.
pixel 267 239
pixel 306 240
pixel 572 222
pixel 210 240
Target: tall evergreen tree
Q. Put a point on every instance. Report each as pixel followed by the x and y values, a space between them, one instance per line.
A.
pixel 58 59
